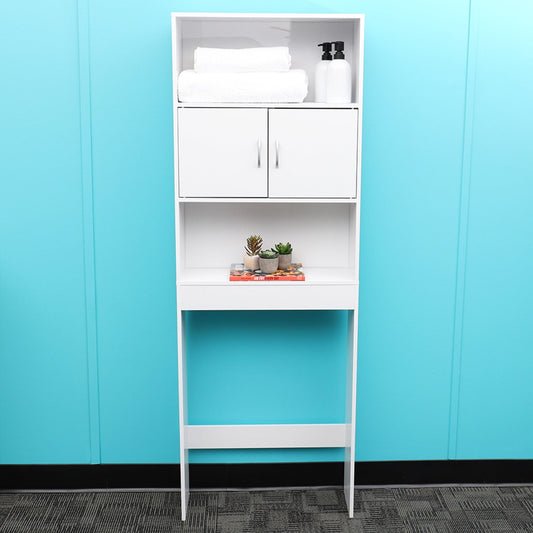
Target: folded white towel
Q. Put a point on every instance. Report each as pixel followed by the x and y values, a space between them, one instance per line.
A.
pixel 250 87
pixel 266 59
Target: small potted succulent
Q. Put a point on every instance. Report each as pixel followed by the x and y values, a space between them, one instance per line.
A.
pixel 268 261
pixel 285 255
pixel 252 249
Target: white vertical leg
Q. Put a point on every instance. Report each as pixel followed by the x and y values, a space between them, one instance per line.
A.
pixel 182 384
pixel 351 394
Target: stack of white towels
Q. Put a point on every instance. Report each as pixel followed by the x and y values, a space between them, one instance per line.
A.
pixel 248 75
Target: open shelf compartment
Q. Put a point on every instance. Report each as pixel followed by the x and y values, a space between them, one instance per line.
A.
pixel 212 237
pixel 301 33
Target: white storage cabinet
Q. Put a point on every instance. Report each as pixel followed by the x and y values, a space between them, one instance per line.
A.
pixel 288 171
pixel 223 153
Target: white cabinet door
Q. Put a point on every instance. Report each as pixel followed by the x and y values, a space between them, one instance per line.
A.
pixel 312 153
pixel 222 152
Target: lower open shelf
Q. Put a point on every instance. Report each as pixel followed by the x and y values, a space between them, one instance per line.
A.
pixel 313 276
pixel 323 288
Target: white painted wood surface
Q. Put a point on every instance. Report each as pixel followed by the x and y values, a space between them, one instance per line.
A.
pixel 350 412
pixel 183 414
pixel 268 200
pixel 265 436
pixel 303 105
pixel 256 297
pixel 312 153
pixel 301 203
pixel 222 152
pixel 178 219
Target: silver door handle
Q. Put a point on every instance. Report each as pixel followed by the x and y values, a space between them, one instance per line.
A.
pixel 277 154
pixel 258 153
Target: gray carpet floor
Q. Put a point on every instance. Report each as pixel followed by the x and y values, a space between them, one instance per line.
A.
pixel 420 510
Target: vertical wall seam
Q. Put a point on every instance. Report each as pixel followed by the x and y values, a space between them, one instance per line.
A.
pixel 462 231
pixel 88 229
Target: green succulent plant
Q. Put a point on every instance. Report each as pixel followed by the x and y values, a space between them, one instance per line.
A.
pixel 283 249
pixel 268 254
pixel 253 245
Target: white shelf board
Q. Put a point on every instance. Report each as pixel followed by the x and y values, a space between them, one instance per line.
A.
pixel 313 276
pixel 265 436
pixel 303 105
pixel 210 289
pixel 330 17
pixel 270 200
pixel 267 296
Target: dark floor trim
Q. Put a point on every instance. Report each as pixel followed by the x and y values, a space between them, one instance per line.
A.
pixel 19 477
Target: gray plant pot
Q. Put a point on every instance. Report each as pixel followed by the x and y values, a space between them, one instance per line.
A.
pixel 251 262
pixel 268 266
pixel 284 261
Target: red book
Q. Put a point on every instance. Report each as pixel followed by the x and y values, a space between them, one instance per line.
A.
pixel 293 273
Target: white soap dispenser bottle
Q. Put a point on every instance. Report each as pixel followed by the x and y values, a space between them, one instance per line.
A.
pixel 321 72
pixel 339 81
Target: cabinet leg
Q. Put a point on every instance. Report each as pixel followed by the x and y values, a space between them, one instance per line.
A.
pixel 351 393
pixel 182 387
pixel 184 482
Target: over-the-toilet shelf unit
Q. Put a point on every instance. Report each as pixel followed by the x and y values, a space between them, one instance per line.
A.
pixel 287 171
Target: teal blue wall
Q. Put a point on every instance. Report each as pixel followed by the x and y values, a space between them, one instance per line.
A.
pixel 495 393
pixel 88 368
pixel 44 413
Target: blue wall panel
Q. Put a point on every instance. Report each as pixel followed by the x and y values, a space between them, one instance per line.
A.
pixel 415 61
pixel 134 230
pixel 404 398
pixel 496 398
pixel 43 363
pixel 413 149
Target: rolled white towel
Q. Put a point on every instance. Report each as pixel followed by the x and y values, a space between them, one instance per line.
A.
pixel 266 59
pixel 248 87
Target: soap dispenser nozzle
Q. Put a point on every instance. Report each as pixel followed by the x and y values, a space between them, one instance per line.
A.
pixel 326 51
pixel 339 49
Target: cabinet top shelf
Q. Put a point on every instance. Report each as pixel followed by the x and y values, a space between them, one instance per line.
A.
pixel 330 17
pixel 303 105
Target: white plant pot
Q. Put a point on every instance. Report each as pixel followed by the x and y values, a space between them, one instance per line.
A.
pixel 285 261
pixel 251 262
pixel 268 266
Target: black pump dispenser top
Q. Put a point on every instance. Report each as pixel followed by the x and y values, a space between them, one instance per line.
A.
pixel 326 51
pixel 339 49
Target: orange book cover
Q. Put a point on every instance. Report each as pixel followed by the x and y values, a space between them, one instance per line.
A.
pixel 293 273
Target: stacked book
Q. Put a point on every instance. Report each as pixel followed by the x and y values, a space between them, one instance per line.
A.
pixel 293 273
